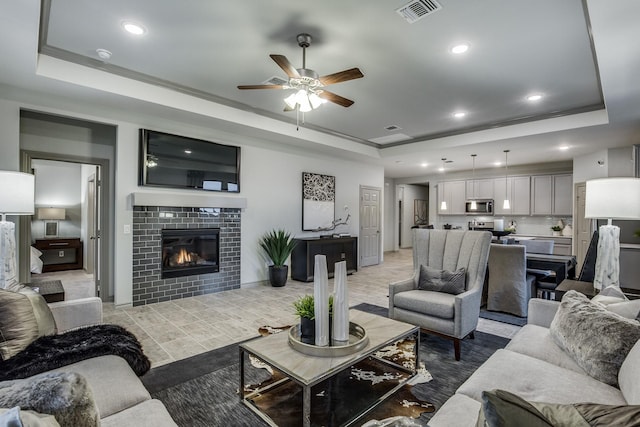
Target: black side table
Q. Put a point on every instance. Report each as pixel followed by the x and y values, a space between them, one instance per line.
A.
pixel 574 285
pixel 51 290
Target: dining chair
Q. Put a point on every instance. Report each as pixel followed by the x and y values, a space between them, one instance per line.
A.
pixel 510 287
pixel 538 246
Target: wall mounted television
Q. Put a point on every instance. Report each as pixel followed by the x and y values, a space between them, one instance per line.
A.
pixel 175 161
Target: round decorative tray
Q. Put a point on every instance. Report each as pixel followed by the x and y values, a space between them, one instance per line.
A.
pixel 358 340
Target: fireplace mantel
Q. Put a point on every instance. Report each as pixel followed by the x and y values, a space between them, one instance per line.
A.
pixel 191 199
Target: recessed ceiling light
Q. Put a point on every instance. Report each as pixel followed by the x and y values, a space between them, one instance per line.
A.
pixel 424 165
pixel 133 28
pixel 459 114
pixel 534 97
pixel 497 164
pixel 564 147
pixel 187 151
pixel 459 48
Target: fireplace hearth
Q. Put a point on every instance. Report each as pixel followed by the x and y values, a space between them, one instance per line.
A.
pixel 188 252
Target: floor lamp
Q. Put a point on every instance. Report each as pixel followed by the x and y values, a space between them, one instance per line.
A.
pixel 17 195
pixel 611 198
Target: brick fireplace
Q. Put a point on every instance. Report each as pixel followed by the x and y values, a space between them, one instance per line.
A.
pixel 149 286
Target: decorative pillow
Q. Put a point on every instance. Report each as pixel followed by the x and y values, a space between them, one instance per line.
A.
pixel 504 409
pixel 18 325
pixel 629 309
pixel 14 417
pixel 597 339
pixel 65 395
pixel 451 282
pixel 41 310
pixel 610 295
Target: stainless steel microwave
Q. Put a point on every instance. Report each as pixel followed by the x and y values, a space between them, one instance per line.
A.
pixel 482 207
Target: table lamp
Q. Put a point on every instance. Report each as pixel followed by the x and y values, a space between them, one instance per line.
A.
pixel 611 198
pixel 17 195
pixel 51 216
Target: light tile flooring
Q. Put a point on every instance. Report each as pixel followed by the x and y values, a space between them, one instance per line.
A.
pixel 178 329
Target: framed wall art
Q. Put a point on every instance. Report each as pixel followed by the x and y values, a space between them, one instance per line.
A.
pixel 318 201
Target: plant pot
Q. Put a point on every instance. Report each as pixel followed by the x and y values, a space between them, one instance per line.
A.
pixel 278 275
pixel 555 233
pixel 307 330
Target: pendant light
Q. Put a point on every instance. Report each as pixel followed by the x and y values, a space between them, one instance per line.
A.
pixel 474 205
pixel 443 204
pixel 506 204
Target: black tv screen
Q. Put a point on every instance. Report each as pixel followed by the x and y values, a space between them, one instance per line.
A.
pixel 168 160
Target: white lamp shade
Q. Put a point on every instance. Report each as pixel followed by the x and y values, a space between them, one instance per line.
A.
pixel 51 213
pixel 17 193
pixel 613 198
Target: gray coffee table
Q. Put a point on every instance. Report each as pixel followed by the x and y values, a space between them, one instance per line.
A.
pixel 307 371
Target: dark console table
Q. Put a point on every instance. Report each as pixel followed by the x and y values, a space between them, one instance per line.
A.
pixel 60 254
pixel 335 249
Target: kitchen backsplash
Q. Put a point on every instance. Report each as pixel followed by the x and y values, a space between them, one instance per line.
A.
pixel 535 225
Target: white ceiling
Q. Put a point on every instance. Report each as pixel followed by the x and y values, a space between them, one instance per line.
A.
pixel 205 48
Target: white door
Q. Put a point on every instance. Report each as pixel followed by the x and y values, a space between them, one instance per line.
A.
pixel 582 228
pixel 369 226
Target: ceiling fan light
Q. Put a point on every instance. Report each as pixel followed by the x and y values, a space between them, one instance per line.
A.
pixel 291 101
pixel 315 101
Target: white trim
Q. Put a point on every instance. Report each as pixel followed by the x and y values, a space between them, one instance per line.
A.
pixel 187 200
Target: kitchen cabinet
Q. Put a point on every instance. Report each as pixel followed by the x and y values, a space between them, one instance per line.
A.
pixel 562 195
pixel 454 193
pixel 551 195
pixel 518 190
pixel 480 189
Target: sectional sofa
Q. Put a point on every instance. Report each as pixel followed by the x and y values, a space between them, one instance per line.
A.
pixel 118 397
pixel 535 368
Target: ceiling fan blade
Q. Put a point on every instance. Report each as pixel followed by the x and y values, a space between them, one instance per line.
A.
pixel 342 76
pixel 260 87
pixel 286 66
pixel 337 99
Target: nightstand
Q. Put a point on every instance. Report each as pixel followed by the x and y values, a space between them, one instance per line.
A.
pixel 60 254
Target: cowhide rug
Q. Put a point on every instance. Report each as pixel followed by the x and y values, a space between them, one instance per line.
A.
pixel 358 386
pixel 54 351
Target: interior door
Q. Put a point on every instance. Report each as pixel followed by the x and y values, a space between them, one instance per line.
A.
pixel 96 218
pixel 583 228
pixel 91 224
pixel 369 226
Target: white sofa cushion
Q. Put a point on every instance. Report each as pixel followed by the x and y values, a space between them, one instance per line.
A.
pixel 458 410
pixel 150 413
pixel 629 376
pixel 438 304
pixel 537 380
pixel 107 375
pixel 536 341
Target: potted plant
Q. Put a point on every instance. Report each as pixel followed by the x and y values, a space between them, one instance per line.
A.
pixel 278 245
pixel 556 229
pixel 305 308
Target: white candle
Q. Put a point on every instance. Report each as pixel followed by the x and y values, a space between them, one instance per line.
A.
pixel 340 305
pixel 321 300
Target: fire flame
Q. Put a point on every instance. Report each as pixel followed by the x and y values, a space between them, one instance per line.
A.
pixel 183 257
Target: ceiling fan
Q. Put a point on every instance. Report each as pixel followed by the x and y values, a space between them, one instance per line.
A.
pixel 309 87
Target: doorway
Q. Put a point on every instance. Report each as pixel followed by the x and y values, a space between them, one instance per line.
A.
pixel 583 228
pixel 74 186
pixel 369 226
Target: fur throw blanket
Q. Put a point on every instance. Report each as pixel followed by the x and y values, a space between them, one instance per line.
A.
pixel 54 351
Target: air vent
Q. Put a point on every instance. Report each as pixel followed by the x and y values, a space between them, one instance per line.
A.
pixel 416 10
pixel 275 80
pixel 392 127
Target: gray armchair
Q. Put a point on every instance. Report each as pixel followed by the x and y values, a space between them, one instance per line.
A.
pixel 447 315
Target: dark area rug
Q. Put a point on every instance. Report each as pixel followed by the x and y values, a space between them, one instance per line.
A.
pixel 202 390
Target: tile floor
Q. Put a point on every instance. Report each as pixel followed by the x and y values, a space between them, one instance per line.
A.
pixel 178 329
